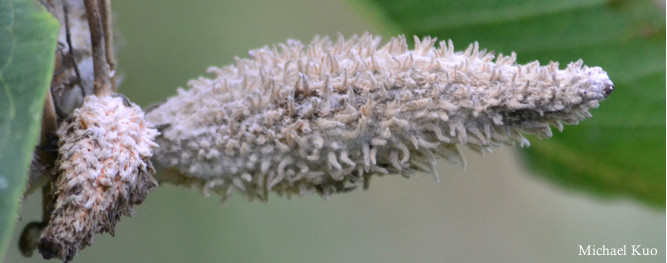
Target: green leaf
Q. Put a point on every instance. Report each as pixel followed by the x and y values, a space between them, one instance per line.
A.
pixel 620 151
pixel 28 37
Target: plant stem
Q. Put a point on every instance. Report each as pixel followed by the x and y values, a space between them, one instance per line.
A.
pixel 108 40
pixel 100 66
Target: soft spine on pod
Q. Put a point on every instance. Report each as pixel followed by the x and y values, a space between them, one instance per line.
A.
pixel 325 117
pixel 104 169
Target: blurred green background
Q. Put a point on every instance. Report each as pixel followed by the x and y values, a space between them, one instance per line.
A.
pixel 495 211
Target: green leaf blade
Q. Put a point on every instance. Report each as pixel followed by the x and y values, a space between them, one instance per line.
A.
pixel 28 37
pixel 620 151
pixel 617 152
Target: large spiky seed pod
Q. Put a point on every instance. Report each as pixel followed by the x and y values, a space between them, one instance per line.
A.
pixel 104 169
pixel 324 117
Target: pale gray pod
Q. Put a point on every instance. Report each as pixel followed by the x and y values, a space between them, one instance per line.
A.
pixel 325 117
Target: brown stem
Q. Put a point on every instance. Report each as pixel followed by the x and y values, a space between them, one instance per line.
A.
pixel 45 152
pixel 47 157
pixel 49 121
pixel 105 7
pixel 100 66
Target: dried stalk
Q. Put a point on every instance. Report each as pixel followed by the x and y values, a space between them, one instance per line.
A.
pixel 100 66
pixel 105 7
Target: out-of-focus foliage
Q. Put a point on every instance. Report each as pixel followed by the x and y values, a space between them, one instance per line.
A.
pixel 621 150
pixel 27 48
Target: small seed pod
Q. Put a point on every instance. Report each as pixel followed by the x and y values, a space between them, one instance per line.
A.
pixel 325 117
pixel 103 169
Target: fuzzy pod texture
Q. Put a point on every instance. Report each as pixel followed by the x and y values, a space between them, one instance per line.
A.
pixel 324 117
pixel 104 169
